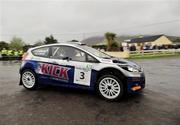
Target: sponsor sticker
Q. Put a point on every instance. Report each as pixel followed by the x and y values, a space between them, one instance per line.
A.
pixel 58 72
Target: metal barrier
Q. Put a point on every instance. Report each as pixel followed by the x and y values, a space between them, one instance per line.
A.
pixel 10 57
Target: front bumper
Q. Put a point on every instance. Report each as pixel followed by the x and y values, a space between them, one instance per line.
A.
pixel 135 84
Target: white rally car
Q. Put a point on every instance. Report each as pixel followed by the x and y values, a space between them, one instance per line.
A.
pixel 79 66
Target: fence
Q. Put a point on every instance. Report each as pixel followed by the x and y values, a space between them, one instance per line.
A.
pixel 153 53
pixel 10 57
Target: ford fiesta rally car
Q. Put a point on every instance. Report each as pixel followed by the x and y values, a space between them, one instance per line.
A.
pixel 79 66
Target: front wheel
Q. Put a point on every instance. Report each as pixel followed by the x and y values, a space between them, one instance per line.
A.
pixel 29 80
pixel 110 87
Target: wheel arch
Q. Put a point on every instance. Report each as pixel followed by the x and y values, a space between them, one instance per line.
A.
pixel 28 66
pixel 112 71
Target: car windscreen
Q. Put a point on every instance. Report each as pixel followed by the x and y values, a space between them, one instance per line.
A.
pixel 95 52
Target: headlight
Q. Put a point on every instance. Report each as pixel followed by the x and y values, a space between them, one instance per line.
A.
pixel 130 68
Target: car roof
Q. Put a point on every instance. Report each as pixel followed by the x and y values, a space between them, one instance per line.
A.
pixel 75 44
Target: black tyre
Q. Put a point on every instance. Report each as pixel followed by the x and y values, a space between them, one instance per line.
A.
pixel 110 87
pixel 29 80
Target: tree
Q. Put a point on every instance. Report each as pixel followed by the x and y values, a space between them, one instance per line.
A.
pixel 38 43
pixel 16 43
pixel 176 40
pixel 50 40
pixel 110 39
pixel 3 45
pixel 26 47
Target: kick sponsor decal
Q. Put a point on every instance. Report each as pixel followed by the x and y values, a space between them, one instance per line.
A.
pixel 56 71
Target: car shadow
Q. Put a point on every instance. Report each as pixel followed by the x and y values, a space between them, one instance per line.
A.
pixel 83 93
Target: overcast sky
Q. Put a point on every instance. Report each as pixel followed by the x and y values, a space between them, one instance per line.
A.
pixel 32 20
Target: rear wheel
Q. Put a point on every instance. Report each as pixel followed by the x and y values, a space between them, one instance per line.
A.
pixel 29 80
pixel 110 87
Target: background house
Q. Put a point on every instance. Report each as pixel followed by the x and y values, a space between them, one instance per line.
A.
pixel 156 40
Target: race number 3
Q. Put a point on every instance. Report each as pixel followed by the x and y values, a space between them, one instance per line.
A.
pixel 82 77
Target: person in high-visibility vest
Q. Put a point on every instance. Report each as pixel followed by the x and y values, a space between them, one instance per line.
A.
pixel 16 53
pixel 21 52
pixel 10 53
pixel 4 52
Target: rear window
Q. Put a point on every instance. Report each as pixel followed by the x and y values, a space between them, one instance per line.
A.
pixel 41 52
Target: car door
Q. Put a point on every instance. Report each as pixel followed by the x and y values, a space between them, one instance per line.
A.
pixel 59 71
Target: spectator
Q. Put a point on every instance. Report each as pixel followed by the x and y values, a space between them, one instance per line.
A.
pixel 4 52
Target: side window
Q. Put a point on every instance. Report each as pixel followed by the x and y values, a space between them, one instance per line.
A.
pixel 91 59
pixel 57 52
pixel 42 52
pixel 68 52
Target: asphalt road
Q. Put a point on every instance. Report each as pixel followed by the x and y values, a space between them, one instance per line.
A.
pixel 159 104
